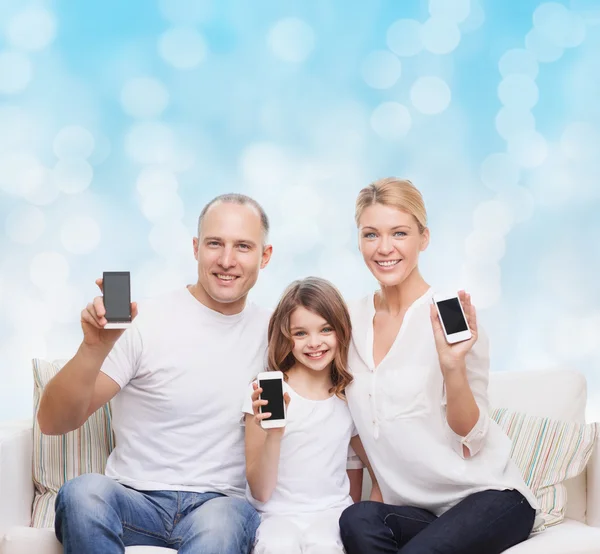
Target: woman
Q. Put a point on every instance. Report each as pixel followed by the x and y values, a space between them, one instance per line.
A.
pixel 448 485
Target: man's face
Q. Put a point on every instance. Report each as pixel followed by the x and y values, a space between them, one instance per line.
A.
pixel 230 253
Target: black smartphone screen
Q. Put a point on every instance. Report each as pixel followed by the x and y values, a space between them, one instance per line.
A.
pixel 273 393
pixel 452 316
pixel 117 295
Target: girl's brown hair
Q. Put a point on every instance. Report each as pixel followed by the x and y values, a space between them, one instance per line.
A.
pixel 322 298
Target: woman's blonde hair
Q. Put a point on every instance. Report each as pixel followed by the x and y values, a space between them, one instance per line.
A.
pixel 322 298
pixel 394 192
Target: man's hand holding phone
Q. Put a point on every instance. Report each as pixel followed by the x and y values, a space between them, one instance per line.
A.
pixel 93 322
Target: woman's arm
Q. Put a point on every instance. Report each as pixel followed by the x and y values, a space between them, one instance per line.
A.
pixel 465 367
pixel 358 447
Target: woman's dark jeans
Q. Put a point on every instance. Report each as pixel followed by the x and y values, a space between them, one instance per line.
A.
pixel 487 522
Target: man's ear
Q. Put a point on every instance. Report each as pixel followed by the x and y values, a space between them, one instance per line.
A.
pixel 196 244
pixel 266 256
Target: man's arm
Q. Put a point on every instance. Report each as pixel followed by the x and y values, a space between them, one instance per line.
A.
pixel 75 393
pixel 80 388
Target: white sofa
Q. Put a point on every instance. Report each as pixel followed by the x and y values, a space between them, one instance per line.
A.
pixel 558 394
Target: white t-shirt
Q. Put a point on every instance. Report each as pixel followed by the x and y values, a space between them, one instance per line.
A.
pixel 184 370
pixel 399 409
pixel 312 463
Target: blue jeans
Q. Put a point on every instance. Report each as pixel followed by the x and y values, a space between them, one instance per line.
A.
pixel 97 515
pixel 487 522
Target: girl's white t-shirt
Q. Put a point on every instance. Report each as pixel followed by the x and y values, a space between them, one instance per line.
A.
pixel 313 457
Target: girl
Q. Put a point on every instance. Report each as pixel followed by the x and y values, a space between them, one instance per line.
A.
pixel 420 405
pixel 297 475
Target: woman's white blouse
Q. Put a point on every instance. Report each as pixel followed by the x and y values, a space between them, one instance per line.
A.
pixel 399 409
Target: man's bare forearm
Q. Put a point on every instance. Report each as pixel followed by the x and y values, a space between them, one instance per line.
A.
pixel 67 397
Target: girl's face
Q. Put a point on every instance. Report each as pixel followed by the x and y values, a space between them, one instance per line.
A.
pixel 315 341
pixel 390 243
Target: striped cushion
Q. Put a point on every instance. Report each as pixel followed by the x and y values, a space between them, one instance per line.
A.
pixel 56 459
pixel 548 452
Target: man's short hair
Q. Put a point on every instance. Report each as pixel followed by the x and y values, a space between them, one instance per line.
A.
pixel 242 200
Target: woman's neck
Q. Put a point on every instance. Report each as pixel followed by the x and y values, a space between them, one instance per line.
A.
pixel 398 298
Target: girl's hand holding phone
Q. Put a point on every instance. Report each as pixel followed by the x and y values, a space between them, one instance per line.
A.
pixel 259 416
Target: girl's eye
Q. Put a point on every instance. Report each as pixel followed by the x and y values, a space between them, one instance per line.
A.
pixel 299 333
pixel 327 330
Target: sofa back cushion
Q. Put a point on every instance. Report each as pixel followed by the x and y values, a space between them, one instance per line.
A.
pixel 558 394
pixel 56 459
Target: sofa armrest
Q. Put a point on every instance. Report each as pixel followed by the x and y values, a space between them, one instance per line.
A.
pixel 16 483
pixel 593 487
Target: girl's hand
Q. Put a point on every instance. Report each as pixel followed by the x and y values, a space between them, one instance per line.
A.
pixel 258 416
pixel 452 356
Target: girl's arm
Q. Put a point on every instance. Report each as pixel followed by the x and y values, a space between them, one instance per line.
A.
pixel 262 450
pixel 358 447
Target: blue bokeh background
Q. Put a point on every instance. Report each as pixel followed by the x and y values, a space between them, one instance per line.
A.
pixel 119 120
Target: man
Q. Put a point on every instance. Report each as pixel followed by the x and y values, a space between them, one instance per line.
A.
pixel 178 376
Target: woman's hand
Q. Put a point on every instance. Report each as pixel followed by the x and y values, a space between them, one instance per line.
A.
pixel 258 416
pixel 452 356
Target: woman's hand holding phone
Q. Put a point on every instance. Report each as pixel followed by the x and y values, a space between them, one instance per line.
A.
pixel 259 416
pixel 452 356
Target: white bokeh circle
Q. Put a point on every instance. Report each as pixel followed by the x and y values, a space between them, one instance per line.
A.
pixel 519 61
pixel 475 19
pixel 493 217
pixel 528 149
pixel 381 69
pixel 542 47
pixel 182 47
pixel 25 224
pixel 48 270
pixel 152 179
pixel 580 141
pixel 456 11
pixel 391 120
pixel 265 165
pixel 34 28
pixel 430 95
pixel 144 97
pixel 20 172
pixel 484 246
pixel 513 121
pixel 65 303
pixel 559 25
pixel 440 36
pixel 520 202
pixel 499 171
pixel 150 142
pixel 80 234
pixel 518 92
pixel 404 37
pixel 16 72
pixel 291 40
pixel 162 204
pixel 185 12
pixel 170 238
pixel 45 190
pixel 73 175
pixel 482 281
pixel 73 141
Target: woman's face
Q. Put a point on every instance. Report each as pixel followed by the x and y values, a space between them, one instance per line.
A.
pixel 390 242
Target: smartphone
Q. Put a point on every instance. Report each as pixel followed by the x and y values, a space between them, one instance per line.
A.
pixel 117 299
pixel 452 317
pixel 271 383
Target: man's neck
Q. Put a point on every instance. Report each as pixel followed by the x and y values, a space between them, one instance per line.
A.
pixel 225 308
